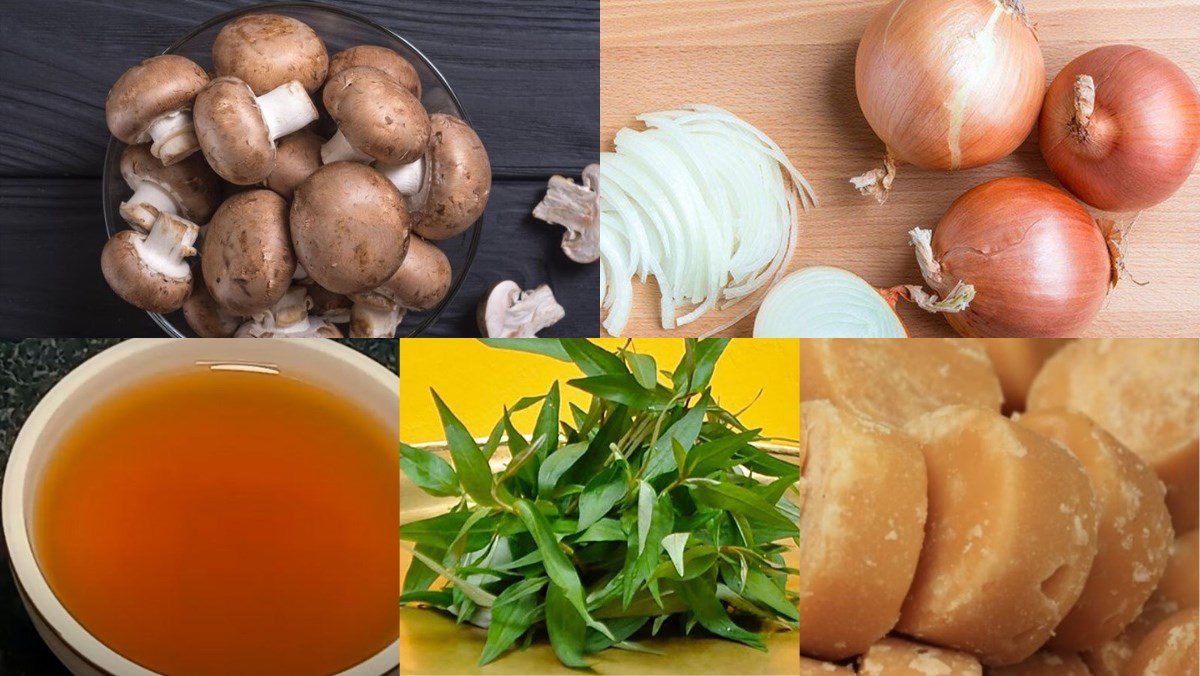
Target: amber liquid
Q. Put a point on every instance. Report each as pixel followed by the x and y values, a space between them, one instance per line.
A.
pixel 226 523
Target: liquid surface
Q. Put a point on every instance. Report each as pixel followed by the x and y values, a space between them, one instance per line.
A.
pixel 226 523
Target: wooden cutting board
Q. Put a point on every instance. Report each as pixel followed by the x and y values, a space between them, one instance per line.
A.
pixel 787 66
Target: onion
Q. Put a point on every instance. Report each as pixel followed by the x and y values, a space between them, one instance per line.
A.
pixel 947 84
pixel 703 202
pixel 825 302
pixel 1016 257
pixel 1121 127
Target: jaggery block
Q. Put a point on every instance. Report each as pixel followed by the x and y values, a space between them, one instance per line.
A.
pixel 1170 649
pixel 1145 392
pixel 1017 362
pixel 1045 663
pixel 1010 536
pixel 894 657
pixel 818 668
pixel 861 529
pixel 1134 536
pixel 894 381
pixel 1178 585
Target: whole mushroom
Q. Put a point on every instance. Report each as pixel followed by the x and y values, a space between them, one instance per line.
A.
pixel 457 181
pixel 269 50
pixel 419 284
pixel 237 130
pixel 350 227
pixel 247 259
pixel 576 208
pixel 395 66
pixel 188 188
pixel 148 270
pixel 297 156
pixel 508 312
pixel 152 102
pixel 207 319
pixel 377 118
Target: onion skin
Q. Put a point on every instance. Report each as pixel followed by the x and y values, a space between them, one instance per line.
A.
pixel 1142 139
pixel 1040 264
pixel 922 61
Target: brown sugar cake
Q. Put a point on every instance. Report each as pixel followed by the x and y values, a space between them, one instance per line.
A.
pixel 896 657
pixel 1145 393
pixel 1010 537
pixel 894 381
pixel 1134 534
pixel 818 668
pixel 1169 649
pixel 1017 362
pixel 1045 663
pixel 861 528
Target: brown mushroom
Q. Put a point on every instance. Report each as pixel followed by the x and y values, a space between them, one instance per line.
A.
pixel 247 258
pixel 288 318
pixel 152 102
pixel 421 282
pixel 395 66
pixel 377 118
pixel 237 130
pixel 575 207
pixel 350 227
pixel 508 312
pixel 207 319
pixel 457 183
pixel 148 270
pixel 367 321
pixel 297 156
pixel 188 188
pixel 268 50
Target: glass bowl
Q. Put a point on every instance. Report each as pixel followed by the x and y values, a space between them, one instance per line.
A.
pixel 339 29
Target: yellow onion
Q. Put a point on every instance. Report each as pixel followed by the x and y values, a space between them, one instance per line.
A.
pixel 1121 127
pixel 1016 258
pixel 947 84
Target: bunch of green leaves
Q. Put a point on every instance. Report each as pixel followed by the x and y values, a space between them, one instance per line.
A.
pixel 652 504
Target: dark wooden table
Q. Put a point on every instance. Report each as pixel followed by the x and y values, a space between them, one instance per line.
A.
pixel 526 71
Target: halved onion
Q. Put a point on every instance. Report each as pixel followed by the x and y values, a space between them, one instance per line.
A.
pixel 705 203
pixel 825 302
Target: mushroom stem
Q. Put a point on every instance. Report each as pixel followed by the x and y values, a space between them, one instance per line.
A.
pixel 147 202
pixel 169 242
pixel 286 109
pixel 371 322
pixel 338 149
pixel 173 137
pixel 409 179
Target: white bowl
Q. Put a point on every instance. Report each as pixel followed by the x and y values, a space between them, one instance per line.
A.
pixel 334 367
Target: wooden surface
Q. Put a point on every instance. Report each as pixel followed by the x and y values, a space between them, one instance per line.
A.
pixel 787 67
pixel 525 70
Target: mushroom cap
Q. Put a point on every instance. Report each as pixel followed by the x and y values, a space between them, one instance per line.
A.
pixel 135 281
pixel 232 133
pixel 247 258
pixel 267 50
pixel 207 318
pixel 297 156
pixel 190 182
pixel 395 66
pixel 421 282
pixel 377 114
pixel 157 86
pixel 459 178
pixel 350 227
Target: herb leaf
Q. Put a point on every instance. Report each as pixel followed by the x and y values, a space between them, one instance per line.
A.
pixel 623 389
pixel 592 359
pixel 601 493
pixel 548 347
pixel 566 627
pixel 644 369
pixel 701 597
pixel 513 613
pixel 741 501
pixel 472 466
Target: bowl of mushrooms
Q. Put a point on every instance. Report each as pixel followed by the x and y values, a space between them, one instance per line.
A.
pixel 290 170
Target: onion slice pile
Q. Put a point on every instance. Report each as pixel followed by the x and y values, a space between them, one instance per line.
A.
pixel 704 202
pixel 825 302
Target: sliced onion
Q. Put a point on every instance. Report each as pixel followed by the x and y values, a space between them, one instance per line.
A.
pixel 824 302
pixel 703 202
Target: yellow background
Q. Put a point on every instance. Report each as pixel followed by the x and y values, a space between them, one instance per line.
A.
pixel 476 381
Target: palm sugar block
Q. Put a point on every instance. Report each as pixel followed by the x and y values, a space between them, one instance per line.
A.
pixel 1017 362
pixel 1010 536
pixel 1170 649
pixel 1045 663
pixel 895 657
pixel 894 381
pixel 861 529
pixel 1144 392
pixel 1134 535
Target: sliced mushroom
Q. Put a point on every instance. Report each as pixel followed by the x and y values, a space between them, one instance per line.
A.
pixel 421 282
pixel 188 188
pixel 350 227
pixel 237 130
pixel 330 306
pixel 508 312
pixel 377 118
pixel 288 318
pixel 247 258
pixel 297 156
pixel 575 207
pixel 457 181
pixel 371 322
pixel 268 50
pixel 206 318
pixel 151 102
pixel 395 66
pixel 148 270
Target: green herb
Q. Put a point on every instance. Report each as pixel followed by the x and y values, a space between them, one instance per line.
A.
pixel 650 503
